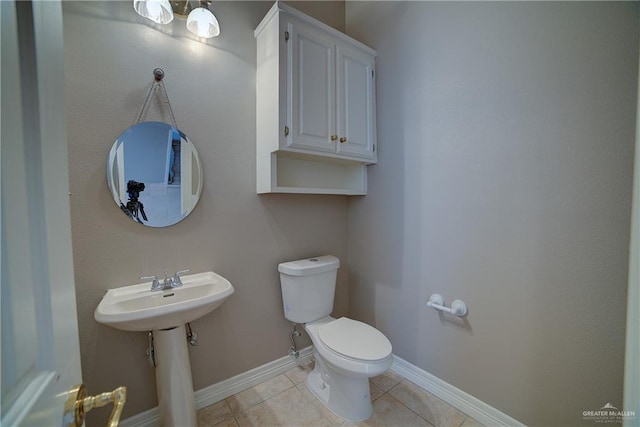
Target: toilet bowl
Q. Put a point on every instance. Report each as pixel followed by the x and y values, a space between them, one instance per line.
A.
pixel 347 352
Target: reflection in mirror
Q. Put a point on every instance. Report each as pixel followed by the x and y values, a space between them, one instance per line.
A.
pixel 154 174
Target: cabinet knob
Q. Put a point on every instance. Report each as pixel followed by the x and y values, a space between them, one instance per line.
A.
pixel 334 137
pixel 343 140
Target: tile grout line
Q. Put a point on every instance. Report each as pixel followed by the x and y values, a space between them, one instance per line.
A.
pixel 246 410
pixel 230 411
pixel 401 403
pixel 466 416
pixel 262 401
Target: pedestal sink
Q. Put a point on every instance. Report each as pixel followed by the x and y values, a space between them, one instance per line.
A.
pixel 137 308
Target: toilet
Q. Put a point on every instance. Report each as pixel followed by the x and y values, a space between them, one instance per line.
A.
pixel 347 352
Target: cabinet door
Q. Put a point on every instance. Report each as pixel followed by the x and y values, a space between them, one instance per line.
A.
pixel 355 103
pixel 311 89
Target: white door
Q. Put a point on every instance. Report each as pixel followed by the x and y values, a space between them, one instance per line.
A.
pixel 40 349
pixel 356 103
pixel 311 87
pixel 186 176
pixel 632 348
pixel 123 196
pixel 168 164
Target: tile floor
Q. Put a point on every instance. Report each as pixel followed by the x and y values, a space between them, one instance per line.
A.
pixel 285 401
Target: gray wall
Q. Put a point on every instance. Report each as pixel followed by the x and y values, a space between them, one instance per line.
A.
pixel 506 135
pixel 110 54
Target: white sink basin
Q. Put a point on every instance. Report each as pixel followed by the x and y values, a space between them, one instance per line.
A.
pixel 137 308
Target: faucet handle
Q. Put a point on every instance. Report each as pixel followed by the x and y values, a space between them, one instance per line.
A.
pixel 168 281
pixel 176 277
pixel 155 284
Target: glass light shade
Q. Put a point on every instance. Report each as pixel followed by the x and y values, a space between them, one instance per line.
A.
pixel 159 11
pixel 203 23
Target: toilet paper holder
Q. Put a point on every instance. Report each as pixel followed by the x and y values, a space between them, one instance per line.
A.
pixel 458 307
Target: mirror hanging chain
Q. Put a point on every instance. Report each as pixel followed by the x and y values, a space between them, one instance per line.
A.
pixel 159 156
pixel 158 84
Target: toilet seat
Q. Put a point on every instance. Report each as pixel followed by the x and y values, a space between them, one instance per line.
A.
pixel 355 340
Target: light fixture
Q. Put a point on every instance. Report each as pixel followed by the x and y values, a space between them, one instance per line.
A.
pixel 159 11
pixel 200 21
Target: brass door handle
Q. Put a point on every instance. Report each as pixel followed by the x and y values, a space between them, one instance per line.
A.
pixel 334 137
pixel 343 140
pixel 78 404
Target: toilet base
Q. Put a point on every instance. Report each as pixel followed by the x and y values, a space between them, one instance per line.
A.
pixel 346 396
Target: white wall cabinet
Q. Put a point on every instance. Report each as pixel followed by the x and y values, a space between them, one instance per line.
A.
pixel 316 127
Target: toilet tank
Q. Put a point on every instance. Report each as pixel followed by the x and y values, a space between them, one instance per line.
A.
pixel 308 287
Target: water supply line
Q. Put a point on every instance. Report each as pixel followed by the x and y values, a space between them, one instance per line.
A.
pixel 151 355
pixel 192 337
pixel 293 350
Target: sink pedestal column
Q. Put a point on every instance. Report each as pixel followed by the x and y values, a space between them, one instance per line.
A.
pixel 173 378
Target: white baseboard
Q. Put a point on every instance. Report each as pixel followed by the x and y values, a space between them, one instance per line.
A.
pixel 475 408
pixel 457 398
pixel 219 391
pixel 216 392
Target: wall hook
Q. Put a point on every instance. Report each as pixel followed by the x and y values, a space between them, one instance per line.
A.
pixel 158 74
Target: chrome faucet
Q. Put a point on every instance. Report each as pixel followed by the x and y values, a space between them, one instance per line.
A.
pixel 167 283
pixel 176 278
pixel 155 284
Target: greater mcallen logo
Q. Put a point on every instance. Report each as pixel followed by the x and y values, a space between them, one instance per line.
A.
pixel 608 414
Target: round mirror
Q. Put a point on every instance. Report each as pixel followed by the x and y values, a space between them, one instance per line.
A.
pixel 154 174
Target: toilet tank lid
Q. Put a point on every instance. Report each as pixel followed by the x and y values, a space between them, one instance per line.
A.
pixel 309 266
